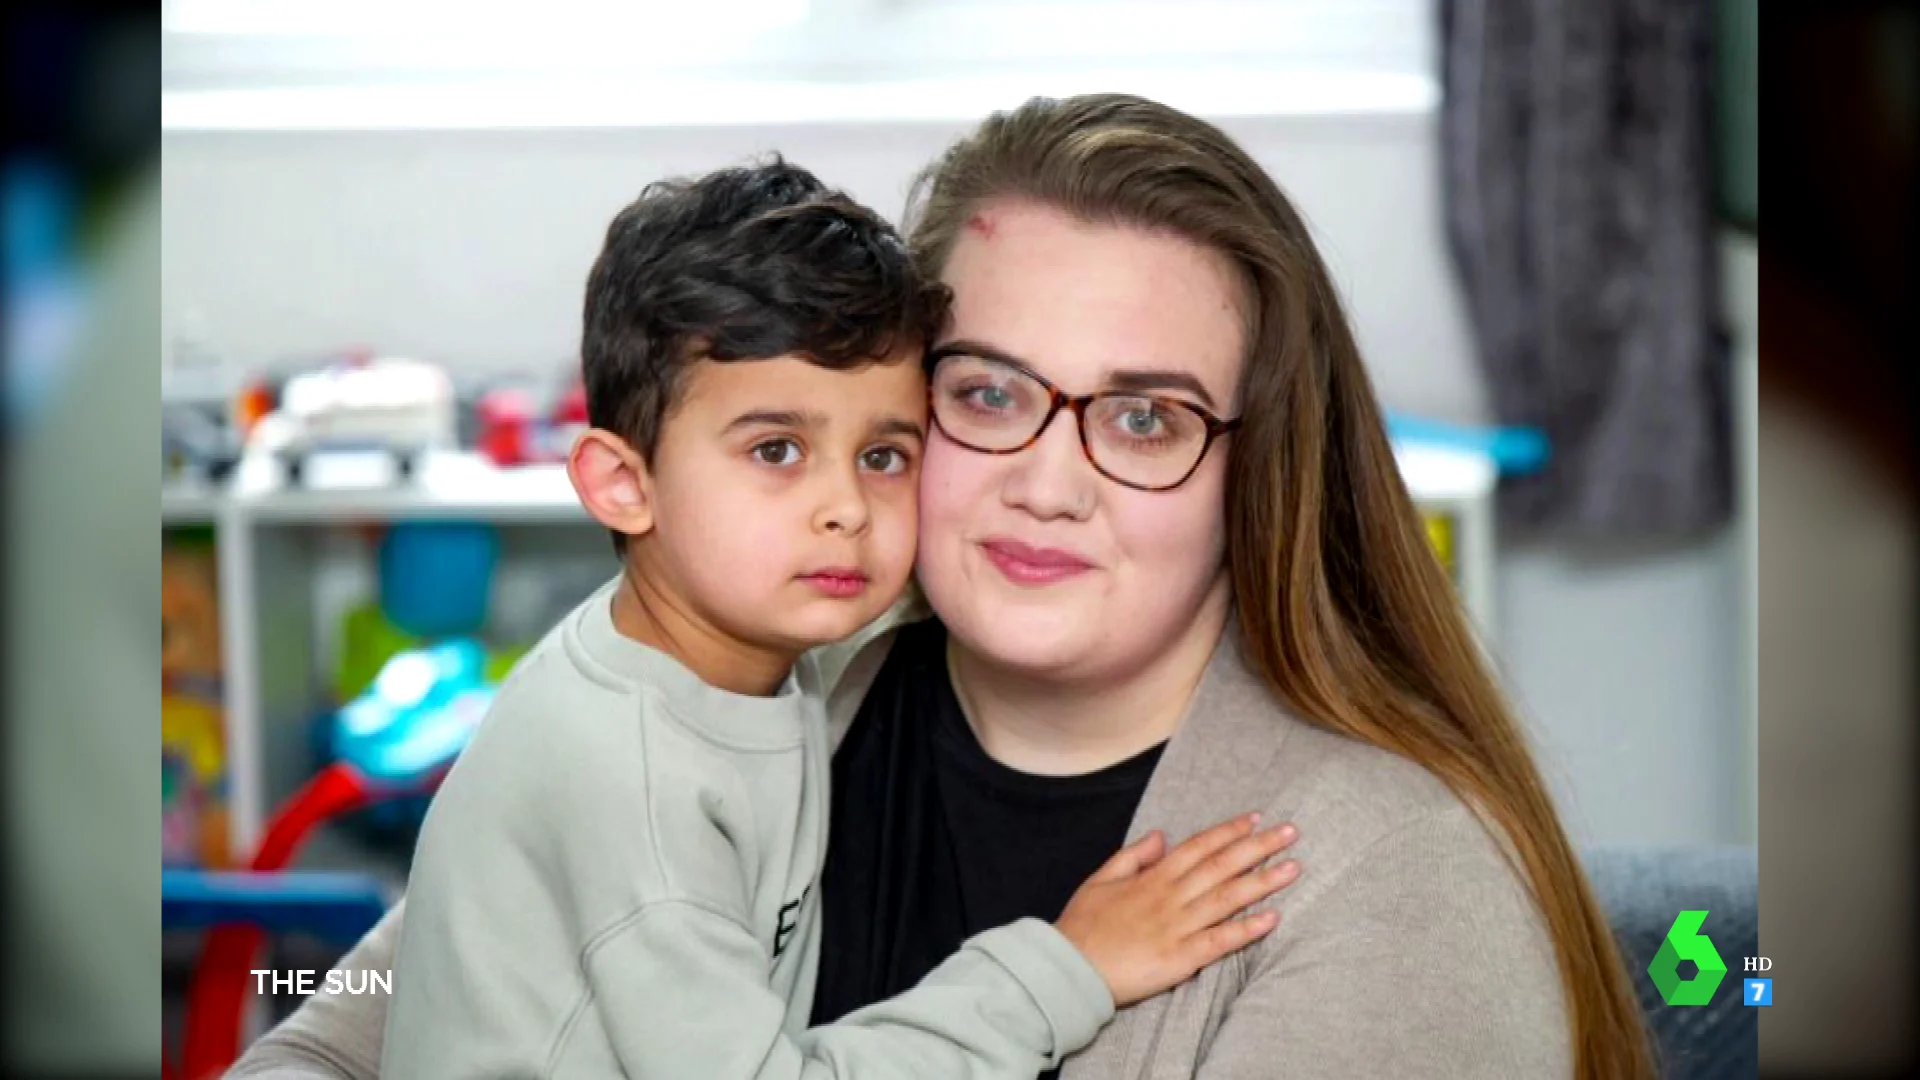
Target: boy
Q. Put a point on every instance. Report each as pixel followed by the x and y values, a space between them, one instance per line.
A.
pixel 616 878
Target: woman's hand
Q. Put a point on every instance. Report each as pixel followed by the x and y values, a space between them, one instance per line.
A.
pixel 1149 919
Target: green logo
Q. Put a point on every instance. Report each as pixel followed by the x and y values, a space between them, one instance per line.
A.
pixel 1686 942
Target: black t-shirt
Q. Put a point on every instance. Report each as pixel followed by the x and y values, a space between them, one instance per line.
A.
pixel 932 841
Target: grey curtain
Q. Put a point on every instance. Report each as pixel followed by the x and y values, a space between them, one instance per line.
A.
pixel 1578 175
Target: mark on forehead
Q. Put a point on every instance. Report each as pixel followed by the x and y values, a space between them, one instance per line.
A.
pixel 982 224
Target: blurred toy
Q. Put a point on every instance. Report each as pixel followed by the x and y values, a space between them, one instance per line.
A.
pixel 1515 451
pixel 435 583
pixel 199 435
pixel 193 781
pixel 516 427
pixel 196 441
pixel 417 715
pixel 397 406
pixel 436 577
pixel 193 819
pixel 395 741
pixel 189 608
pixel 507 427
pixel 257 398
pixel 368 639
pixel 369 642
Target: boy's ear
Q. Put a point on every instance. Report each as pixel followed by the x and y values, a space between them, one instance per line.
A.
pixel 612 481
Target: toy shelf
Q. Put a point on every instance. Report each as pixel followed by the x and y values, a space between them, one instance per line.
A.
pixel 337 907
pixel 447 486
pixel 289 563
pixel 189 502
pixel 1454 489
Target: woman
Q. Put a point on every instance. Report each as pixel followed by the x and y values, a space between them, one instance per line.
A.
pixel 1154 616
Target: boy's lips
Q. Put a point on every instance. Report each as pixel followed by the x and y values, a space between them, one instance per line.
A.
pixel 839 582
pixel 1024 564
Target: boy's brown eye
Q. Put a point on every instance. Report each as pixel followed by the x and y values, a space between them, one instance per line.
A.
pixel 777 452
pixel 884 459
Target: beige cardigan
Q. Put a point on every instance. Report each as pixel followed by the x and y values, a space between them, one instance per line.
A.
pixel 1408 948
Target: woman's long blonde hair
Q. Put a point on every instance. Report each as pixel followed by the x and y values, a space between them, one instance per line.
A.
pixel 1346 611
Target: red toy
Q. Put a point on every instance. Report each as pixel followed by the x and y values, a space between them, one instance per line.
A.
pixel 506 426
pixel 512 431
pixel 218 995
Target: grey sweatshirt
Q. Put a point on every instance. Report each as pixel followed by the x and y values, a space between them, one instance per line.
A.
pixel 1408 948
pixel 617 878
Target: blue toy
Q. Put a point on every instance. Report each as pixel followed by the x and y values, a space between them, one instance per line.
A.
pixel 436 576
pixel 417 716
pixel 1516 451
pixel 395 740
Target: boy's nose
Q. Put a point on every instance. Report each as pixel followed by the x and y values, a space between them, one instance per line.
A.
pixel 843 511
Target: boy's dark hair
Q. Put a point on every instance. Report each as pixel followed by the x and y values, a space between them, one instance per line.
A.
pixel 746 263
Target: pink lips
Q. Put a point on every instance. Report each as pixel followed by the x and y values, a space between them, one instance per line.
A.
pixel 1024 564
pixel 838 582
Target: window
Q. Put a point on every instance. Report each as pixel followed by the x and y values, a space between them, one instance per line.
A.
pixel 768 60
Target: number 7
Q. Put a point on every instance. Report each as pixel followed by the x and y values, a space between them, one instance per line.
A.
pixel 1758 989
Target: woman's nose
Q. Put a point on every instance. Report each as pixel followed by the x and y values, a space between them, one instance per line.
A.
pixel 1053 478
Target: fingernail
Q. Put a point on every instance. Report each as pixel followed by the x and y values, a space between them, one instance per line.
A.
pixel 1287 833
pixel 1253 818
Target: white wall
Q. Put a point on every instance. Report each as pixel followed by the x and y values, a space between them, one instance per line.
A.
pixel 471 247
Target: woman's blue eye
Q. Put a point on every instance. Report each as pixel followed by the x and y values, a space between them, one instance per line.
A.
pixel 992 397
pixel 1143 423
pixel 777 452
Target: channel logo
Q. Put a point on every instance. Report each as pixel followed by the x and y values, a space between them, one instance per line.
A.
pixel 1686 942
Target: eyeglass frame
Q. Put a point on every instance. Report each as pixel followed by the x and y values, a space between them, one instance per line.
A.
pixel 1059 399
